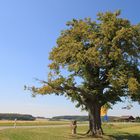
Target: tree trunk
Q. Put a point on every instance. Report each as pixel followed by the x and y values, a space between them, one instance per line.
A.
pixel 95 120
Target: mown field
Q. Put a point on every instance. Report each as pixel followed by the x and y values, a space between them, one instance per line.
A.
pixel 32 123
pixel 112 132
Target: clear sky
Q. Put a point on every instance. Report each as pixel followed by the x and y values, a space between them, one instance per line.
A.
pixel 28 32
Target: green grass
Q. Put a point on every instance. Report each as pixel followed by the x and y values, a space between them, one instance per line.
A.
pixel 112 132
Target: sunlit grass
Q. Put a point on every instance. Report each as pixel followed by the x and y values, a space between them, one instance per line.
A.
pixel 32 123
pixel 112 132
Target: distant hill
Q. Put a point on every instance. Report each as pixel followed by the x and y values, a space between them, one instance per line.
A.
pixel 12 116
pixel 27 117
pixel 42 118
pixel 80 118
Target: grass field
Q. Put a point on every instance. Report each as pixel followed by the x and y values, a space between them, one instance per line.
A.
pixel 112 132
pixel 32 123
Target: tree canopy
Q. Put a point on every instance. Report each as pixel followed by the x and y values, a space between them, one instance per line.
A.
pixel 95 62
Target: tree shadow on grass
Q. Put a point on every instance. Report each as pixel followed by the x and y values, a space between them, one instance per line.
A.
pixel 83 136
pixel 122 136
pixel 77 136
pixel 126 136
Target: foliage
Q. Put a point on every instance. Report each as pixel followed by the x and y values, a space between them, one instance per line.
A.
pixel 104 54
pixel 137 119
pixel 8 116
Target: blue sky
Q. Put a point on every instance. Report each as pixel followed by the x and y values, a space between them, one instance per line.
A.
pixel 28 32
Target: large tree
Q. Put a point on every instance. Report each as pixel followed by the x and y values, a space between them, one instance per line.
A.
pixel 95 63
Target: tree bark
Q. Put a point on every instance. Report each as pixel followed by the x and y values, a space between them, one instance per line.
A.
pixel 95 127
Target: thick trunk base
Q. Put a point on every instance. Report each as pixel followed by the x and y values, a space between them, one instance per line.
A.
pixel 93 133
pixel 95 120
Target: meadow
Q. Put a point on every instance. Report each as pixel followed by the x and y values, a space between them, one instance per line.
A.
pixel 115 131
pixel 32 123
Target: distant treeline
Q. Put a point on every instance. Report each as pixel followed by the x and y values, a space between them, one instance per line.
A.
pixel 85 118
pixel 11 116
pixel 79 118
